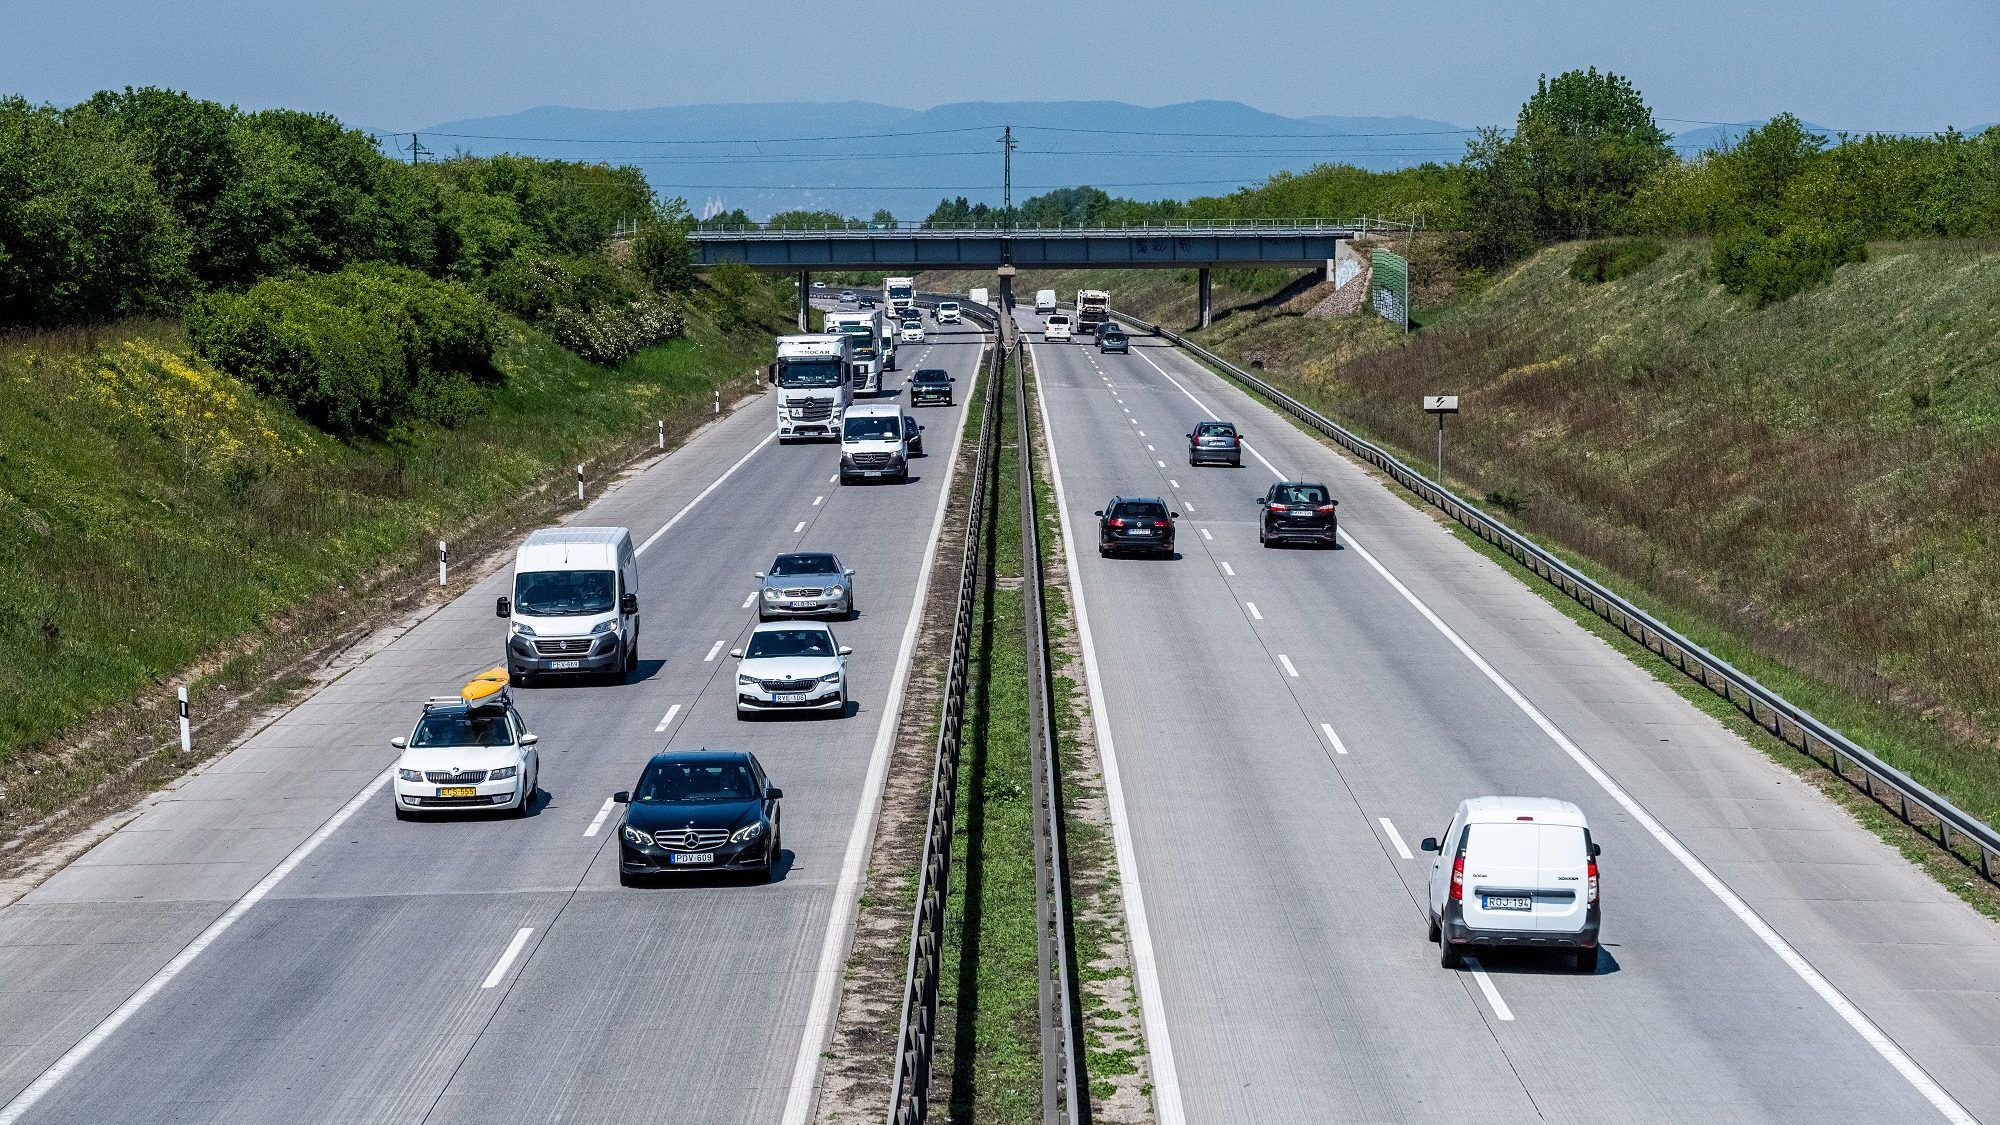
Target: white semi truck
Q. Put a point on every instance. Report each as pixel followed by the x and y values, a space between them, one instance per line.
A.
pixel 899 295
pixel 866 328
pixel 813 375
pixel 1093 307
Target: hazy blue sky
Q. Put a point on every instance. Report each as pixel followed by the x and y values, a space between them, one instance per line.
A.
pixel 398 64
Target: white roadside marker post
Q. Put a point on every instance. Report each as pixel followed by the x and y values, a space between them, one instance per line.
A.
pixel 663 433
pixel 443 556
pixel 579 482
pixel 187 744
pixel 718 401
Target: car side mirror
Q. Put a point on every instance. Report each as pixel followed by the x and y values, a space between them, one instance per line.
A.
pixel 629 604
pixel 773 793
pixel 771 373
pixel 1257 499
pixel 622 797
pixel 1190 437
pixel 849 572
pixel 737 653
pixel 400 743
pixel 530 739
pixel 1098 514
pixel 502 607
pixel 1430 844
pixel 1596 850
pixel 845 651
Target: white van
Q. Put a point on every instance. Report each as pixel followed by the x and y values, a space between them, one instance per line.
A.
pixel 575 608
pixel 872 443
pixel 1056 327
pixel 947 312
pixel 1045 301
pixel 1514 871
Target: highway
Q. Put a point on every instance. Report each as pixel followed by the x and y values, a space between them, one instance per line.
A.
pixel 267 943
pixel 1282 727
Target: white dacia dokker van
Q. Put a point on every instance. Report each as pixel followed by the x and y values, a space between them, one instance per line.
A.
pixel 1514 871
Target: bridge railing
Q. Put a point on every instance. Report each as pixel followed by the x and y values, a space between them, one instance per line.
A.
pixel 1890 787
pixel 1181 227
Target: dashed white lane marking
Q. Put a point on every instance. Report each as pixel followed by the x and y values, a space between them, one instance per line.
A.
pixel 1142 433
pixel 1161 464
pixel 672 711
pixel 1150 449
pixel 597 821
pixel 801 527
pixel 1254 615
pixel 1188 506
pixel 1206 535
pixel 713 649
pixel 499 972
pixel 818 500
pixel 1226 568
pixel 1173 482
pixel 1500 1008
pixel 1338 746
pixel 1395 838
pixel 699 497
pixel 834 479
pixel 750 599
pixel 1287 662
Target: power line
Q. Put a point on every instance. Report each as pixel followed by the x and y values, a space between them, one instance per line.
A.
pixel 710 141
pixel 1244 136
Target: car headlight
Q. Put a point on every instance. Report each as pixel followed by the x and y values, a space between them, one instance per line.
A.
pixel 503 773
pixel 835 590
pixel 770 595
pixel 634 836
pixel 830 678
pixel 410 775
pixel 604 627
pixel 747 832
pixel 745 681
pixel 523 630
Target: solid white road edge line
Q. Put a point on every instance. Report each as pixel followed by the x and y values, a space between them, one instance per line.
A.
pixel 1145 967
pixel 1389 829
pixel 1500 1007
pixel 669 717
pixel 1338 746
pixel 712 650
pixel 499 972
pixel 1854 1017
pixel 15 1110
pixel 597 821
pixel 847 893
pixel 703 494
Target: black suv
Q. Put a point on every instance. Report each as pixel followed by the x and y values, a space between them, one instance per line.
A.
pixel 1297 511
pixel 930 386
pixel 1111 338
pixel 1129 524
pixel 1217 442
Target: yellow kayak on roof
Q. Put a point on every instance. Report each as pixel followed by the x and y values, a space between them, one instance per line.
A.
pixel 485 685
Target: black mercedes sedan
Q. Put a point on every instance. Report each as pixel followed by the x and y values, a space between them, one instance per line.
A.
pixel 699 810
pixel 930 387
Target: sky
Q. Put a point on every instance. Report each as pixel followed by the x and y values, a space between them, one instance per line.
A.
pixel 406 64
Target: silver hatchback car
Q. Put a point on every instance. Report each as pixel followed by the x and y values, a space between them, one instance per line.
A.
pixel 806 584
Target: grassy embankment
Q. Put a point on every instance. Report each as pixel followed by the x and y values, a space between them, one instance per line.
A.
pixel 990 1063
pixel 1808 489
pixel 158 517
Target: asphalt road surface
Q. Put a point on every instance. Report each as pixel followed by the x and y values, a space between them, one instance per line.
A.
pixel 484 970
pixel 1286 725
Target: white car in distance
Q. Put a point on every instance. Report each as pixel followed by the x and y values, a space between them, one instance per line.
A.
pixel 791 666
pixel 947 312
pixel 1056 327
pixel 468 751
pixel 913 331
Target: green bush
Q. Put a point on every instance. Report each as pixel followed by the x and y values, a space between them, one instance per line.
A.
pixel 355 352
pixel 533 287
pixel 1608 261
pixel 664 258
pixel 610 334
pixel 1770 268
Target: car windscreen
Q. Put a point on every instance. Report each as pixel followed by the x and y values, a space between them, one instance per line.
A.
pixel 789 642
pixel 485 728
pixel 564 593
pixel 1215 429
pixel 931 375
pixel 790 565
pixel 810 373
pixel 913 324
pixel 1139 510
pixel 870 429
pixel 1301 494
pixel 678 782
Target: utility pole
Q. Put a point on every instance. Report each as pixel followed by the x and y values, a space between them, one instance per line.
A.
pixel 1006 239
pixel 417 149
pixel 1007 176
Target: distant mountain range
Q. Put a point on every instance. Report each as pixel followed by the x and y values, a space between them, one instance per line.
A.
pixel 855 157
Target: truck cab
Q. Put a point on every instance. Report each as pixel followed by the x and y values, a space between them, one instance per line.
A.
pixel 899 295
pixel 866 330
pixel 813 375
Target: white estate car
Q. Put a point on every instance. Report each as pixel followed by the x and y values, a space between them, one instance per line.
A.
pixel 791 666
pixel 468 751
pixel 913 331
pixel 1514 871
pixel 1056 327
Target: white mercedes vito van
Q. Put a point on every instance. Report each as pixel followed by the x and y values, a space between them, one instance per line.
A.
pixel 1514 871
pixel 872 445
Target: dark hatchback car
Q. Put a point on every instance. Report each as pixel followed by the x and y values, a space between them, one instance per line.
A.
pixel 930 387
pixel 1215 443
pixel 1133 525
pixel 700 810
pixel 1111 338
pixel 913 436
pixel 1298 512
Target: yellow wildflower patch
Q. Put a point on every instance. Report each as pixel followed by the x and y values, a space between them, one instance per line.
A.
pixel 213 418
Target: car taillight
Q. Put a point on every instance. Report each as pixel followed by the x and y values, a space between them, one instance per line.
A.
pixel 1159 523
pixel 1325 509
pixel 1115 523
pixel 1279 508
pixel 1593 883
pixel 1458 879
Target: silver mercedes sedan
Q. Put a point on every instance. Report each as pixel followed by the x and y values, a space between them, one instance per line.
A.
pixel 806 584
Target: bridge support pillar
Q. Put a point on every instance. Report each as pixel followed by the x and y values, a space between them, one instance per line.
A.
pixel 1006 274
pixel 1206 297
pixel 805 300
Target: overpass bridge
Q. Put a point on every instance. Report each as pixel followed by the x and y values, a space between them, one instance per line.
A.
pixel 1200 245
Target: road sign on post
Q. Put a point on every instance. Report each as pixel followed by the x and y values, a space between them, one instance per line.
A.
pixel 1440 405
